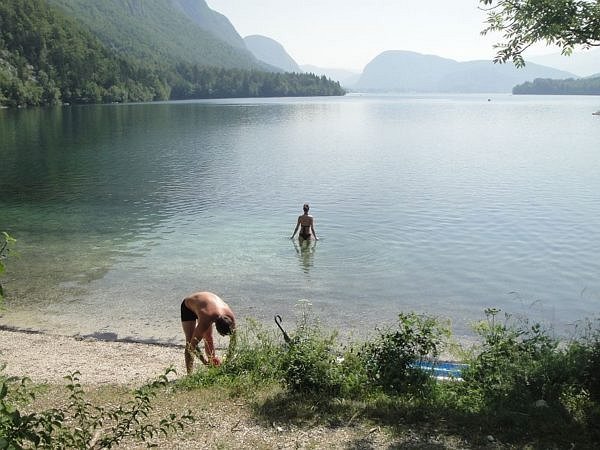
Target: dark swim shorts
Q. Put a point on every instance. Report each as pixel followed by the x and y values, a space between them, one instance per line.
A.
pixel 187 314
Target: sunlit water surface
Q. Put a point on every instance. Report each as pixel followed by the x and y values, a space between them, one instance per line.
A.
pixel 439 204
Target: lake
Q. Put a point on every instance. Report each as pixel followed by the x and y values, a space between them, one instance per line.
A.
pixel 439 204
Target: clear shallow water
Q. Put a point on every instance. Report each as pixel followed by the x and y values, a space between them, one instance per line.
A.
pixel 438 204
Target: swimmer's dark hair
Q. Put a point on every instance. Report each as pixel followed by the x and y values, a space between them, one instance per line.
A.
pixel 224 325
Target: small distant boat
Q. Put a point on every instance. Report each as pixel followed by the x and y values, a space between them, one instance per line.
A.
pixel 596 113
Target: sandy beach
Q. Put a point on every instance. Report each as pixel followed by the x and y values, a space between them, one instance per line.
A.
pixel 47 357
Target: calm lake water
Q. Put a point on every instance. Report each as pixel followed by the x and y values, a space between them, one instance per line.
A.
pixel 439 204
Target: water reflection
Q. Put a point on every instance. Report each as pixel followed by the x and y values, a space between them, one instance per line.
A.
pixel 84 187
pixel 306 253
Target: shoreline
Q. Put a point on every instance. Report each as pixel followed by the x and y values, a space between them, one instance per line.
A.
pixel 48 358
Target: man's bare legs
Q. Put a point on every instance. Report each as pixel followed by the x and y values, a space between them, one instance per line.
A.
pixel 188 329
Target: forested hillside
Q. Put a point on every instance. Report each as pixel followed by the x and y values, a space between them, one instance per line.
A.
pixel 570 86
pixel 211 82
pixel 48 57
pixel 160 30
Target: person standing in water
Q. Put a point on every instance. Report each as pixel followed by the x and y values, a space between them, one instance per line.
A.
pixel 198 313
pixel 306 223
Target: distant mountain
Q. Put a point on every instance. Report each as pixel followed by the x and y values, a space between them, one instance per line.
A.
pixel 346 78
pixel 272 52
pixel 168 31
pixel 583 63
pixel 404 71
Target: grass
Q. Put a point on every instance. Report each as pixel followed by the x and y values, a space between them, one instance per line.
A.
pixel 274 418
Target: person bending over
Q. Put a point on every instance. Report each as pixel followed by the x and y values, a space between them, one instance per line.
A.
pixel 306 223
pixel 198 313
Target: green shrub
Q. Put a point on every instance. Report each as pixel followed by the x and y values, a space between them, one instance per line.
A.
pixel 311 362
pixel 5 242
pixel 254 353
pixel 390 359
pixel 591 373
pixel 253 358
pixel 79 424
pixel 512 353
pixel 520 367
pixel 353 376
pixel 308 366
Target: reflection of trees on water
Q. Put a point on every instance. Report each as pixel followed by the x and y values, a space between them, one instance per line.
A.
pixel 306 253
pixel 81 185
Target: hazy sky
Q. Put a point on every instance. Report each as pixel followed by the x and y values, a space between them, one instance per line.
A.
pixel 350 33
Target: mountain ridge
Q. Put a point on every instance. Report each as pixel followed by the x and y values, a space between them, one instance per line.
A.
pixel 271 52
pixel 583 62
pixel 139 28
pixel 407 71
pixel 210 20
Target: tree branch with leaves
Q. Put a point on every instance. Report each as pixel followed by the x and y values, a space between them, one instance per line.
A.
pixel 563 23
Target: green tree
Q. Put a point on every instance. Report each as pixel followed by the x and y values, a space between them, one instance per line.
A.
pixel 564 23
pixel 570 86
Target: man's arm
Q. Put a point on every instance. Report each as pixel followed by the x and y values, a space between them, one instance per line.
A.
pixel 209 348
pixel 202 330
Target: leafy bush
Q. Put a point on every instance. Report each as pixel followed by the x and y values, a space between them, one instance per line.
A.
pixel 253 357
pixel 80 424
pixel 591 373
pixel 520 368
pixel 504 372
pixel 390 359
pixel 310 363
pixel 254 353
pixel 5 242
